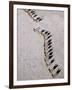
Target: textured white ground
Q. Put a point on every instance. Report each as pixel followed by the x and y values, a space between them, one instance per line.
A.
pixel 30 59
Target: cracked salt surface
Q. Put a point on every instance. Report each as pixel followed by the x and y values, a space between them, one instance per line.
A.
pixel 30 54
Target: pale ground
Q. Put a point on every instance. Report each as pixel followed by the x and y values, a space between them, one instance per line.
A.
pixel 30 63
